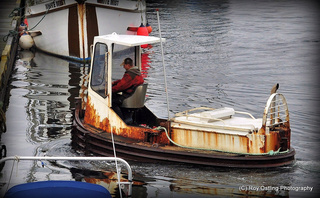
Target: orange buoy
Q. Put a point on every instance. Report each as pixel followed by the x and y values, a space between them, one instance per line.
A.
pixel 143 31
pixel 149 28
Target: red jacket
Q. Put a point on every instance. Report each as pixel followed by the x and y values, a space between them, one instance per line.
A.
pixel 130 80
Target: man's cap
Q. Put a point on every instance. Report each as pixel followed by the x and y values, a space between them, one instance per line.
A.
pixel 126 61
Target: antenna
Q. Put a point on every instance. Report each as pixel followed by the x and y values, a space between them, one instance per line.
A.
pixel 164 67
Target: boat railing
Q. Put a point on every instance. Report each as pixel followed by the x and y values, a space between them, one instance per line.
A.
pixel 186 113
pixel 246 113
pixel 276 111
pixel 243 127
pixel 127 185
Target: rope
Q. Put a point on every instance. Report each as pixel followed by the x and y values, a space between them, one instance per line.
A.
pixel 13 13
pixel 45 14
pixel 206 149
pixel 14 32
pixel 114 153
pixel 18 160
pixel 3 127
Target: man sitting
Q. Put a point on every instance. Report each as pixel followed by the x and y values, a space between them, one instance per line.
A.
pixel 126 85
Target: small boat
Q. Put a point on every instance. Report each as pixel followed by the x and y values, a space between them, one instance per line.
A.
pixel 67 27
pixel 66 189
pixel 201 136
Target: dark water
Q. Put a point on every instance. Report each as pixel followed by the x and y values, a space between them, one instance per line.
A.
pixel 217 53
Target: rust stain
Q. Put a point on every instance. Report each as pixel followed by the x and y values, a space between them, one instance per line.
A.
pixel 111 178
pixel 91 116
pixel 244 141
pixel 278 137
pixel 286 133
pixel 110 175
pixel 262 130
pixel 272 141
pixel 215 137
pixel 263 149
pixel 260 142
pixel 211 140
pixel 138 133
pixel 81 10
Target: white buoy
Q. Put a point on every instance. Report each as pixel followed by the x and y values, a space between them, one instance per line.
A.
pixel 26 41
pixel 25 57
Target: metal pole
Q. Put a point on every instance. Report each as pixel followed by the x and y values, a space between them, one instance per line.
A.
pixel 18 158
pixel 164 68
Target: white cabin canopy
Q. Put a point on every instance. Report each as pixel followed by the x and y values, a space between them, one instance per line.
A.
pixel 127 40
pixel 109 52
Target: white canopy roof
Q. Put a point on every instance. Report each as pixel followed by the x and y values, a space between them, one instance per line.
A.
pixel 127 40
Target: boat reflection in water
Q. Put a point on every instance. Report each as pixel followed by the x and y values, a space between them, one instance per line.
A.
pixel 107 179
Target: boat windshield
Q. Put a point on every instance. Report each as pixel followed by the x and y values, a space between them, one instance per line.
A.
pixel 99 69
pixel 98 73
pixel 120 52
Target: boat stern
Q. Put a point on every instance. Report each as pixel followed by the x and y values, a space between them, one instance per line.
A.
pixel 232 131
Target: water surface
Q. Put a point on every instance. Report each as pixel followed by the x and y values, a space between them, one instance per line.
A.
pixel 217 53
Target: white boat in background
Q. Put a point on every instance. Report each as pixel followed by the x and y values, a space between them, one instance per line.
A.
pixel 68 26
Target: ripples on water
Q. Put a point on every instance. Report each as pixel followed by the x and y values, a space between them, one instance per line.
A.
pixel 47 85
pixel 217 53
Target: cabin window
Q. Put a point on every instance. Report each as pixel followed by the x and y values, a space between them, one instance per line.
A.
pixel 98 70
pixel 48 3
pixel 121 52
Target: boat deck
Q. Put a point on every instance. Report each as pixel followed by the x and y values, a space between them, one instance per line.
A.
pixel 221 120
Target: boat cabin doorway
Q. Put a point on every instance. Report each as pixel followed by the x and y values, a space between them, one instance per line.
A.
pixel 106 68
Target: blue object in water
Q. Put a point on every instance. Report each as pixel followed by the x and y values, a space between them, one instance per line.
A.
pixel 57 189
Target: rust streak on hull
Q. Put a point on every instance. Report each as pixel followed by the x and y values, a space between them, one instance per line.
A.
pixel 81 11
pixel 137 133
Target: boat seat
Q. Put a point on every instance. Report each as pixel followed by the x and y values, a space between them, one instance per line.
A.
pixel 137 99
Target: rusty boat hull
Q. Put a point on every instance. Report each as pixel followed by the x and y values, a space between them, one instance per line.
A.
pixel 92 141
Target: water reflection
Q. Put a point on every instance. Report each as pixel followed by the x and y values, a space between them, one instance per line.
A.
pixel 218 53
pixel 52 85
